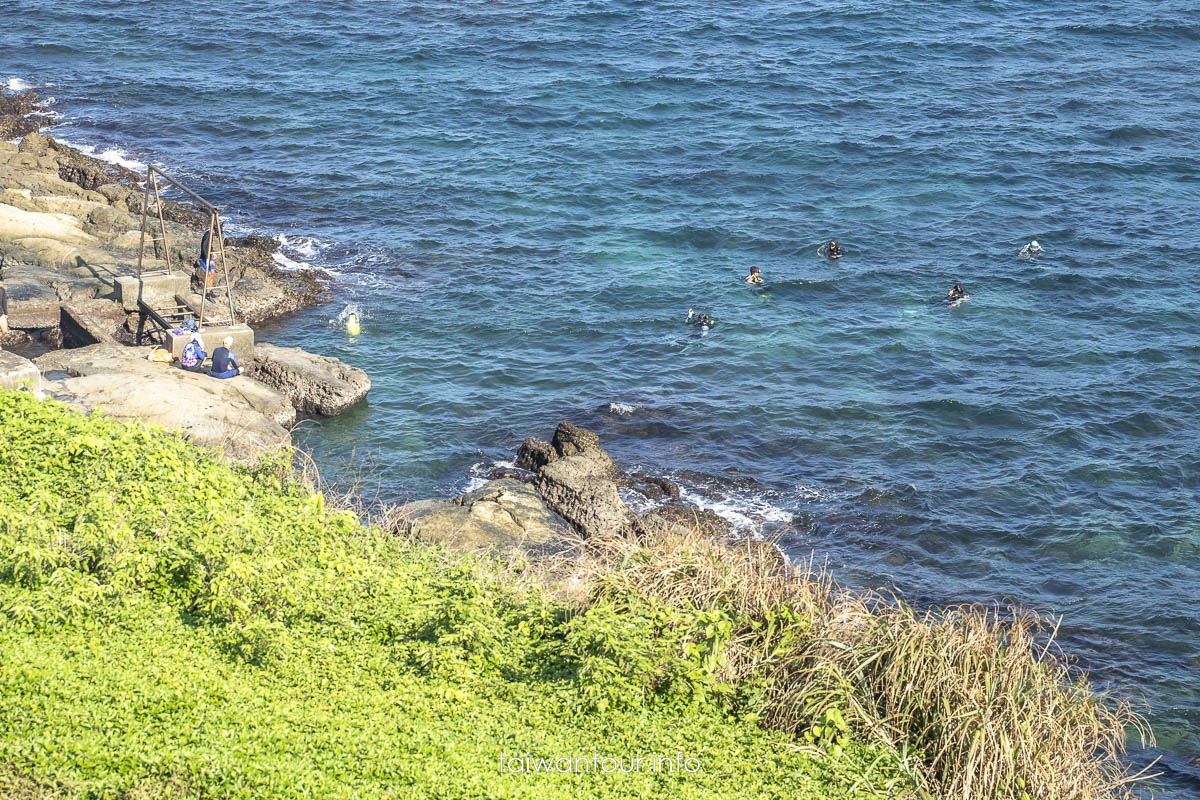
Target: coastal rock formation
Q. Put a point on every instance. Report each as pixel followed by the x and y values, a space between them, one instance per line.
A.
pixel 571 440
pixel 579 482
pixel 588 498
pixel 676 516
pixel 505 516
pixel 651 487
pixel 18 373
pixel 240 416
pixel 314 384
pixel 21 114
pixel 71 222
pixel 534 454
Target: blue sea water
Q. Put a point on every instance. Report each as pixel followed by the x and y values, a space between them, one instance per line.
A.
pixel 524 199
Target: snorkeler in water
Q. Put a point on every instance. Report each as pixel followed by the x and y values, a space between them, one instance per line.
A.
pixel 956 293
pixel 1031 250
pixel 833 250
pixel 755 277
pixel 701 321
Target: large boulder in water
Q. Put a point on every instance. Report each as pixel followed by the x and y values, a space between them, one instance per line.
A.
pixel 314 384
pixel 580 488
pixel 504 516
pixel 571 440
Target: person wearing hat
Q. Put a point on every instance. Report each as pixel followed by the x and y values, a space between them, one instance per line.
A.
pixel 1031 250
pixel 224 364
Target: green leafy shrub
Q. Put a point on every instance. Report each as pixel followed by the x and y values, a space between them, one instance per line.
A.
pixel 173 626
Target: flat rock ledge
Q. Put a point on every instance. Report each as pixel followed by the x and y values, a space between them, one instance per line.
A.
pixel 240 416
pixel 314 384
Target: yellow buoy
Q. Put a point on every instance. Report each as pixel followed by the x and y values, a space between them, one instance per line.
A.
pixel 352 326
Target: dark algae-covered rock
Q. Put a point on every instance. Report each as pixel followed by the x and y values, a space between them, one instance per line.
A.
pixel 534 454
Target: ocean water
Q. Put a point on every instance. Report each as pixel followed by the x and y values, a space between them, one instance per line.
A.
pixel 524 199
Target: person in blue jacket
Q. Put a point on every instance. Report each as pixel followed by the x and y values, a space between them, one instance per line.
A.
pixel 224 363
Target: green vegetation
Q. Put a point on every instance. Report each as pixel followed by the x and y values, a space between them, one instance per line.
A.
pixel 174 626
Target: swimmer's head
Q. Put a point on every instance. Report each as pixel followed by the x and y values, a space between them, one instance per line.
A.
pixel 1034 245
pixel 754 270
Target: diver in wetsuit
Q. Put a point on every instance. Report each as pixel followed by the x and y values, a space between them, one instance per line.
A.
pixel 1031 250
pixel 701 321
pixel 833 249
pixel 755 277
pixel 956 293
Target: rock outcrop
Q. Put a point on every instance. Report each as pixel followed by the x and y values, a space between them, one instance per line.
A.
pixel 72 223
pixel 314 384
pixel 534 454
pixel 587 498
pixel 240 416
pixel 675 516
pixel 17 373
pixel 21 114
pixel 579 484
pixel 505 516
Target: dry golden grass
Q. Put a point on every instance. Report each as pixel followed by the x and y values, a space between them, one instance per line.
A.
pixel 978 703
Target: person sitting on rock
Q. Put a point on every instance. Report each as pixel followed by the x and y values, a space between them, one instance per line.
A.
pixel 193 354
pixel 224 363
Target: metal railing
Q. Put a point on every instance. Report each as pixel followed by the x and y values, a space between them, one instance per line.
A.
pixel 215 235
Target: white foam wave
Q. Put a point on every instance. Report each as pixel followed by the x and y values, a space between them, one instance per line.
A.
pixel 114 156
pixel 17 85
pixel 477 476
pixel 623 409
pixel 295 251
pixel 746 512
pixel 110 155
pixel 302 245
pixel 287 263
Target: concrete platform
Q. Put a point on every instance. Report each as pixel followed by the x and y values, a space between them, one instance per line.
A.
pixel 90 322
pixel 212 336
pixel 155 290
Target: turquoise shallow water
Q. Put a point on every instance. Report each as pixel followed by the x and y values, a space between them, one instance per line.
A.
pixel 524 200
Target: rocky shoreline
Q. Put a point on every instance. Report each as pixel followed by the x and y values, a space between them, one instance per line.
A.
pixel 70 230
pixel 70 226
pixel 559 494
